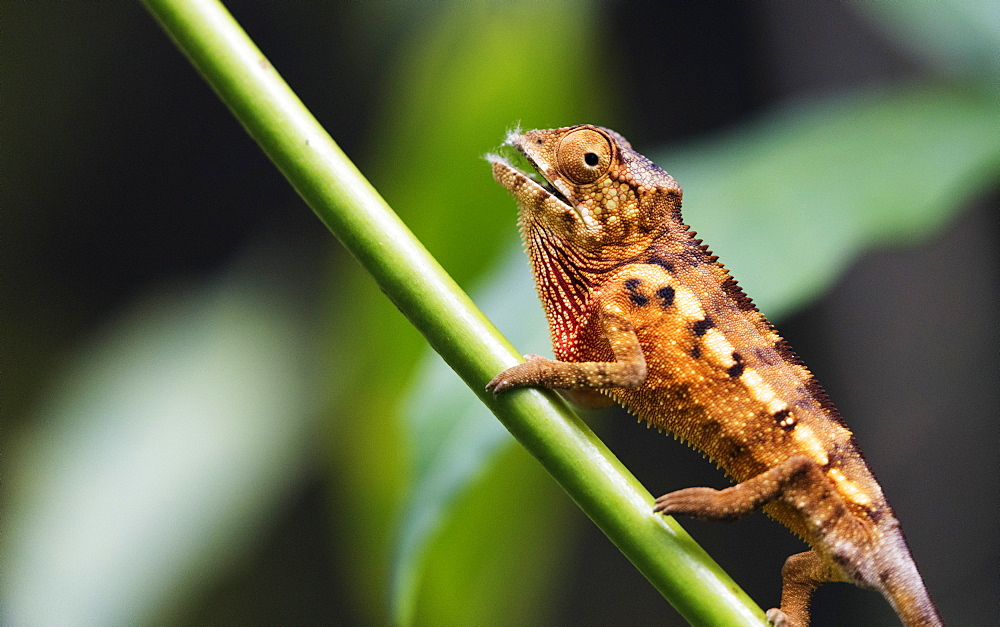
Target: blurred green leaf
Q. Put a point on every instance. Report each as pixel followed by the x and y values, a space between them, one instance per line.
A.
pixel 164 446
pixel 513 526
pixel 962 36
pixel 789 200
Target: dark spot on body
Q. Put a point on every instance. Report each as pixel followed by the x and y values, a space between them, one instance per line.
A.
pixel 701 327
pixel 812 388
pixel 710 427
pixel 877 513
pixel 844 558
pixel 632 287
pixel 725 446
pixel 666 295
pixel 696 351
pixel 736 369
pixel 840 453
pixel 783 419
pixel 736 449
pixel 823 495
pixel 884 576
pixel 656 260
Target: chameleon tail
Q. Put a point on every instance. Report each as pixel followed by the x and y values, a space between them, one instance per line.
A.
pixel 899 581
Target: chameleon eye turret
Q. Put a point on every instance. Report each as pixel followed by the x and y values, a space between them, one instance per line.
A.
pixel 643 314
pixel 584 155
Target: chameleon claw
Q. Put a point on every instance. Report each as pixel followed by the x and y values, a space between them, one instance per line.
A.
pixel 504 381
pixel 497 384
pixel 777 618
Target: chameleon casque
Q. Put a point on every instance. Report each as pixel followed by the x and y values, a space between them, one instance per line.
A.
pixel 641 313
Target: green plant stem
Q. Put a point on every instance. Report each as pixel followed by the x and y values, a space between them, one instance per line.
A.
pixel 357 215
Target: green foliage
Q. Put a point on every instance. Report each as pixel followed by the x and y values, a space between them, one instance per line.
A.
pixel 159 442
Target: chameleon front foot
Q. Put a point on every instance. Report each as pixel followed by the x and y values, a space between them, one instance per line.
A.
pixel 703 503
pixel 527 373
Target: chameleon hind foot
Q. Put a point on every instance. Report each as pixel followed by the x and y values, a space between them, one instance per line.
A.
pixel 777 618
pixel 801 575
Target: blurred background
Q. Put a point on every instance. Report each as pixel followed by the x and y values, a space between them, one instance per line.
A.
pixel 211 415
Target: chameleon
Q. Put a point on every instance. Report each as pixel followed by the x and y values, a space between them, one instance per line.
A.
pixel 642 314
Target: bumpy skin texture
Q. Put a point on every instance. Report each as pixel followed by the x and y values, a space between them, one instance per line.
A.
pixel 641 312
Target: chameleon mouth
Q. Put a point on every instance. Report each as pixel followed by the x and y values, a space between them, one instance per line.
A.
pixel 544 184
pixel 512 177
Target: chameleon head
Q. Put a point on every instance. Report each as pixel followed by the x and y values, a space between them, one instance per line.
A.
pixel 596 190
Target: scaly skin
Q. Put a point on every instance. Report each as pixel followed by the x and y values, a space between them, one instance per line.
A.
pixel 641 312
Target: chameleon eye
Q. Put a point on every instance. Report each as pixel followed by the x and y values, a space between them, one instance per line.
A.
pixel 584 155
